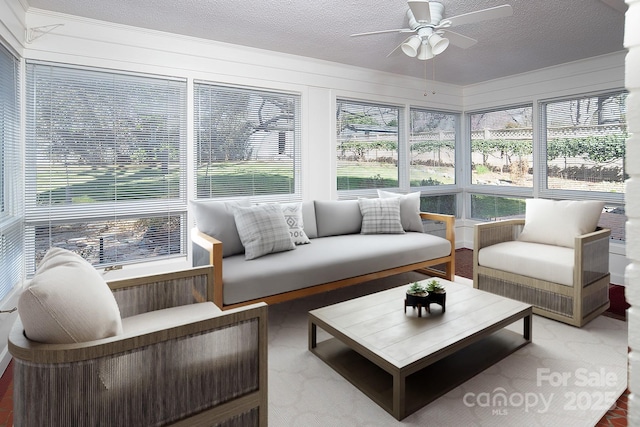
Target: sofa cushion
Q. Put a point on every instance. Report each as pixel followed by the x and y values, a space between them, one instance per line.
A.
pixel 68 301
pixel 293 217
pixel 409 209
pixel 215 219
pixel 380 216
pixel 337 217
pixel 555 222
pixel 309 219
pixel 263 230
pixel 326 259
pixel 545 262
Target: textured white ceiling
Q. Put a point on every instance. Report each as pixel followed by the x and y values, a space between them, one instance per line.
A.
pixel 539 34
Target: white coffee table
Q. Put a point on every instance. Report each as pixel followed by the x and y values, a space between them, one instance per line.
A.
pixel 402 361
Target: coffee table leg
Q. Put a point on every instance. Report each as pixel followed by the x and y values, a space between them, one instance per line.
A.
pixel 312 335
pixel 527 328
pixel 399 383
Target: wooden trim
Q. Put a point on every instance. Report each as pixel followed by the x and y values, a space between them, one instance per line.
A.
pixel 214 248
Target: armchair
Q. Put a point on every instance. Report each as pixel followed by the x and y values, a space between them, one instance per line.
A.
pixel 568 282
pixel 179 360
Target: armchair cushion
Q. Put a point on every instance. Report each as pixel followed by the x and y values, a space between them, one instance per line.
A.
pixel 68 301
pixel 544 262
pixel 558 223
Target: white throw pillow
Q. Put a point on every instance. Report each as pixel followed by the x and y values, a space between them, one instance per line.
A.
pixel 263 230
pixel 409 209
pixel 293 216
pixel 559 222
pixel 68 301
pixel 381 216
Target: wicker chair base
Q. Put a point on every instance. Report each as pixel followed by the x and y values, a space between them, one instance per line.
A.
pixel 548 299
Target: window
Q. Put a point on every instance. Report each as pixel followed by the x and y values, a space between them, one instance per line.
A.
pixel 247 143
pixel 432 147
pixel 367 145
pixel 502 147
pixel 487 207
pixel 585 143
pixel 11 249
pixel 442 204
pixel 105 164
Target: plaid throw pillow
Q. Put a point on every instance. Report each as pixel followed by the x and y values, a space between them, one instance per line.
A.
pixel 381 216
pixel 263 230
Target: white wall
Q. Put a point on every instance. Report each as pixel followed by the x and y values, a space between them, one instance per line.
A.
pixel 632 42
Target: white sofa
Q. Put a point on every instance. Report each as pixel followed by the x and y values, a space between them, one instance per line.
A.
pixel 337 255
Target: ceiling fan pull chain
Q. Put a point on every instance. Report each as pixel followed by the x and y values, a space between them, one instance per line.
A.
pixel 433 91
pixel 426 86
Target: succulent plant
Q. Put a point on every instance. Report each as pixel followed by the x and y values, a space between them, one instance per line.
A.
pixel 416 288
pixel 434 286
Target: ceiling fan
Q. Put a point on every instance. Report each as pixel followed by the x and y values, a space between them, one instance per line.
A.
pixel 432 35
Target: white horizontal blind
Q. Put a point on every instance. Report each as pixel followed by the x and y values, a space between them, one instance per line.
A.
pixel 247 143
pixel 368 140
pixel 585 143
pixel 11 249
pixel 105 164
pixel 432 148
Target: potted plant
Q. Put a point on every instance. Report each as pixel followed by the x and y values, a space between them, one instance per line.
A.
pixel 417 295
pixel 437 293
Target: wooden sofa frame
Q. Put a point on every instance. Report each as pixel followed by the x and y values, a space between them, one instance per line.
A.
pixel 208 251
pixel 575 305
pixel 58 384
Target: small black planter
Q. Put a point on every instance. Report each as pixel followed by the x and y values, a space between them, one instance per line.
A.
pixel 419 301
pixel 439 298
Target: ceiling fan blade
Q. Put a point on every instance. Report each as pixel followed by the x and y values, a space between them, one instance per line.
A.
pixel 618 5
pixel 481 15
pixel 399 30
pixel 394 51
pixel 459 40
pixel 420 10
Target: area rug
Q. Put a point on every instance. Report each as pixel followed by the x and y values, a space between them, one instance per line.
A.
pixel 567 376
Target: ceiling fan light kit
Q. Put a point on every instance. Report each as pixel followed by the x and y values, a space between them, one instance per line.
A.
pixel 432 35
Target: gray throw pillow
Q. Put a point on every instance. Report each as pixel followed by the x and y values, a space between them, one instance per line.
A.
pixel 381 216
pixel 263 230
pixel 215 219
pixel 409 209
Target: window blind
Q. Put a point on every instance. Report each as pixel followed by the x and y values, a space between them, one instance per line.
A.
pixel 247 143
pixel 585 143
pixel 432 148
pixel 11 249
pixel 367 145
pixel 105 164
